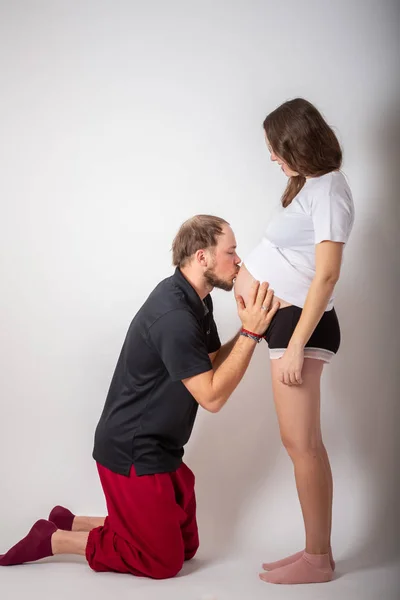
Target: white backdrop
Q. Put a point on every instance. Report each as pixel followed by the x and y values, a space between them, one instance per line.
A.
pixel 118 121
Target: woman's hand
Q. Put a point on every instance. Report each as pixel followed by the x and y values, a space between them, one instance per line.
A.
pixel 291 365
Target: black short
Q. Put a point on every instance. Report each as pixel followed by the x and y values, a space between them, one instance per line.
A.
pixel 323 344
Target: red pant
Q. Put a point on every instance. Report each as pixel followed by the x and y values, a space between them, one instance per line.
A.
pixel 151 525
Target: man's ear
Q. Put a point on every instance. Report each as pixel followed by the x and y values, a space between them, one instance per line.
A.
pixel 202 258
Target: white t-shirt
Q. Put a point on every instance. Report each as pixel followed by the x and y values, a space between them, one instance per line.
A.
pixel 285 257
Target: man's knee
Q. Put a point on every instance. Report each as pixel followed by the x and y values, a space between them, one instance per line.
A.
pixel 170 567
pixel 191 553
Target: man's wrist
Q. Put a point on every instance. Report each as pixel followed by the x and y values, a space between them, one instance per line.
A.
pixel 256 337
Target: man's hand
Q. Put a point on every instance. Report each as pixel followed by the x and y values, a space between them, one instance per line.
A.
pixel 257 315
pixel 213 388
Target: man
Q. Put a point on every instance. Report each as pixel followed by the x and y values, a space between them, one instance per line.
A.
pixel 171 362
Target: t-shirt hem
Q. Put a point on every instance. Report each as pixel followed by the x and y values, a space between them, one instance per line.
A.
pixel 111 466
pixel 156 470
pixel 280 293
pixel 342 239
pixel 140 470
pixel 295 301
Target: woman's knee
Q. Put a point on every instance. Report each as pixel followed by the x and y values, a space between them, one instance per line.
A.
pixel 306 447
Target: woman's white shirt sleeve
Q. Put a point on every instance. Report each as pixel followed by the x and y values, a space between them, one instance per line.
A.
pixel 332 217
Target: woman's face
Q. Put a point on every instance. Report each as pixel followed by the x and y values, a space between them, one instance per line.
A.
pixel 275 158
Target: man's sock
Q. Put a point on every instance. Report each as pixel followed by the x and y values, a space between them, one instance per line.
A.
pixel 309 568
pixel 291 559
pixel 34 546
pixel 62 518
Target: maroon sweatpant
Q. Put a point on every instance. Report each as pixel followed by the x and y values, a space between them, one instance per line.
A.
pixel 151 525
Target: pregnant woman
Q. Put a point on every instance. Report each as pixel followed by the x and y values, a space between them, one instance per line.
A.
pixel 300 256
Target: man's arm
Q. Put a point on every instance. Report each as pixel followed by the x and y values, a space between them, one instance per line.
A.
pixel 213 388
pixel 218 357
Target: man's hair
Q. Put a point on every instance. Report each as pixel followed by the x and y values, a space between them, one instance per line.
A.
pixel 198 233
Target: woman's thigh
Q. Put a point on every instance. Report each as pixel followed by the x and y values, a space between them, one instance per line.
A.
pixel 298 406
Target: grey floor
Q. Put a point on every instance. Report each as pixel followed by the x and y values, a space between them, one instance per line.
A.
pixel 232 578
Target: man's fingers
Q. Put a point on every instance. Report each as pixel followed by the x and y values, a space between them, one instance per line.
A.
pixel 254 288
pixel 268 299
pixel 271 313
pixel 240 303
pixel 262 294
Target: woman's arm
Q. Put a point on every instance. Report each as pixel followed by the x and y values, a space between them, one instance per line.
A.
pixel 328 259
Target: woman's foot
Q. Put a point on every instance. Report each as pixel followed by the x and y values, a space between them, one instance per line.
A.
pixel 291 559
pixel 309 568
pixel 34 546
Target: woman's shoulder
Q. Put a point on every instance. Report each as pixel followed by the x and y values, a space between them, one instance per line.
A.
pixel 330 185
pixel 327 181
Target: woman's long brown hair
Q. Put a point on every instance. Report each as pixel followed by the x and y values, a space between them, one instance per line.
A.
pixel 298 133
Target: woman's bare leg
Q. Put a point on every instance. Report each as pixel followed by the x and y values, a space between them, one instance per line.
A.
pixel 298 410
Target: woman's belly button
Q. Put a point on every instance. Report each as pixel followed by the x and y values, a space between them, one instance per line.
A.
pixel 243 283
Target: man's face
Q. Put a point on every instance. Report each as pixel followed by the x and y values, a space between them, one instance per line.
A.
pixel 225 262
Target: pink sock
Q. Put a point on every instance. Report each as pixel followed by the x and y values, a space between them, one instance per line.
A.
pixel 62 517
pixel 34 546
pixel 291 559
pixel 309 568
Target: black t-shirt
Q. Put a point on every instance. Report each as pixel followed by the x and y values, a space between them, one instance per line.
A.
pixel 149 414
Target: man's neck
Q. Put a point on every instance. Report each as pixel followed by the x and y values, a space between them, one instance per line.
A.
pixel 197 282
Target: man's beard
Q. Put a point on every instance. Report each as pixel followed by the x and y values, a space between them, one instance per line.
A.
pixel 215 282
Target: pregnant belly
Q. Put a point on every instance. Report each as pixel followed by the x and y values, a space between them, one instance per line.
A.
pixel 244 282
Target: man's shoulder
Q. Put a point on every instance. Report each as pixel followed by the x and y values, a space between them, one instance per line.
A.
pixel 165 298
pixel 165 312
pixel 167 295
